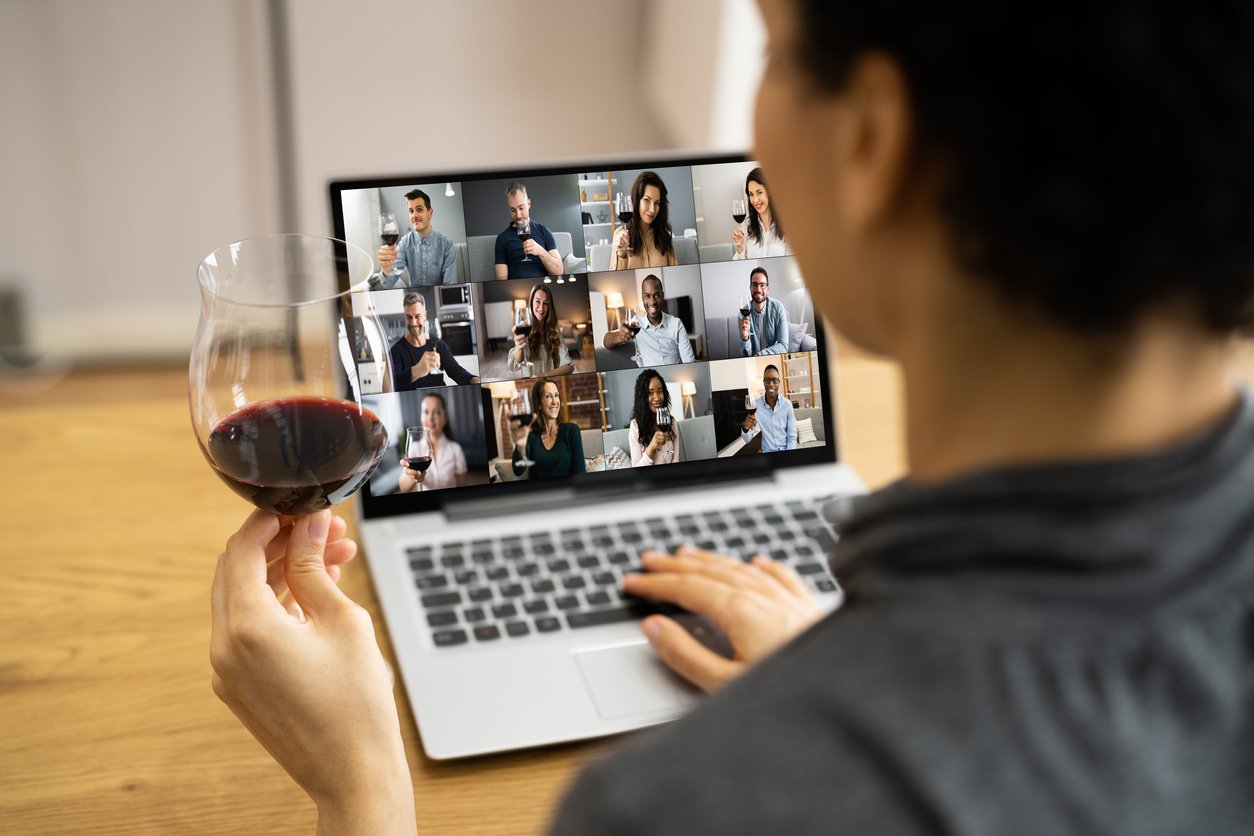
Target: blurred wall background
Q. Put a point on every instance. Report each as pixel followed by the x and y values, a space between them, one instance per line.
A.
pixel 139 135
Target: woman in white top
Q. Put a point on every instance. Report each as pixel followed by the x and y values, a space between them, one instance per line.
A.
pixel 546 350
pixel 448 462
pixel 760 236
pixel 650 445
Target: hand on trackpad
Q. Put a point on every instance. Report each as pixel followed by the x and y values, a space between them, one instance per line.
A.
pixel 700 627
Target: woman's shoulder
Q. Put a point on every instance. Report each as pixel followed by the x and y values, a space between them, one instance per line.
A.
pixel 568 427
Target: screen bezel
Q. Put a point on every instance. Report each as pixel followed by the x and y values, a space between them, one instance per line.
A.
pixel 624 481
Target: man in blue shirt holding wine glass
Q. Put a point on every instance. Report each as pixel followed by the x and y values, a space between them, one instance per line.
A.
pixel 418 360
pixel 765 329
pixel 525 249
pixel 772 416
pixel 427 255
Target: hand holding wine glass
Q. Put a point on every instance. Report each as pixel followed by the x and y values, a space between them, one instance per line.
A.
pixel 738 233
pixel 523 228
pixel 745 307
pixel 522 334
pixel 390 234
pixel 751 409
pixel 635 319
pixel 521 419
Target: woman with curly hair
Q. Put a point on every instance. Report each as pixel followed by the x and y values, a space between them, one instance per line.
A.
pixel 544 349
pixel 651 444
pixel 646 240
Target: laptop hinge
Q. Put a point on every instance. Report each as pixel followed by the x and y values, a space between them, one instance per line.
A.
pixel 468 509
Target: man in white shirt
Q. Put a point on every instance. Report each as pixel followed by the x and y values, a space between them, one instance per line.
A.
pixel 662 339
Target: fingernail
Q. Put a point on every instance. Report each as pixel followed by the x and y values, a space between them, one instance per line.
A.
pixel 319 525
pixel 652 629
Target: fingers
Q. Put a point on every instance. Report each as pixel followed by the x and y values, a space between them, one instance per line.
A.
pixel 782 574
pixel 305 566
pixel 691 591
pixel 241 571
pixel 688 657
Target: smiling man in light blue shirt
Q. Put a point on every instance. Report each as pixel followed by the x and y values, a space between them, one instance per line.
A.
pixel 427 255
pixel 663 339
pixel 773 417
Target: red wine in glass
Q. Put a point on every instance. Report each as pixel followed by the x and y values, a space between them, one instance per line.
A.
pixel 523 420
pixel 634 327
pixel 419 463
pixel 744 312
pixel 523 329
pixel 390 238
pixel 296 455
pixel 739 217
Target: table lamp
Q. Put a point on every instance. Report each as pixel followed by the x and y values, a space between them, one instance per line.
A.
pixel 688 389
pixel 614 302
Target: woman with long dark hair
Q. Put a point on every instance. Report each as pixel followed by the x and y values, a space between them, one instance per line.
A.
pixel 646 239
pixel 548 353
pixel 448 460
pixel 760 236
pixel 554 447
pixel 650 444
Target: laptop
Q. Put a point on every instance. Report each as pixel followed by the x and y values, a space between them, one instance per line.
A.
pixel 566 383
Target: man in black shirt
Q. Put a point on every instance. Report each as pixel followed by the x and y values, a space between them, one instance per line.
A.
pixel 418 360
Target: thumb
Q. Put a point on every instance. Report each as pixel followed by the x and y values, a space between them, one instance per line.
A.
pixel 686 656
pixel 305 565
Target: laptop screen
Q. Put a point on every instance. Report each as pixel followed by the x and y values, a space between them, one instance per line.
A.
pixel 620 325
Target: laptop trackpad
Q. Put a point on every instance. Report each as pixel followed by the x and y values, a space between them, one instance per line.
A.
pixel 629 679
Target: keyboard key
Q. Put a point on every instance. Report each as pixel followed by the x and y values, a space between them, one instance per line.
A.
pixel 526 570
pixel 619 558
pixel 431 582
pixel 512 542
pixel 513 553
pixel 422 564
pixel 505 610
pixel 604 578
pixel 773 518
pixel 418 552
pixel 632 612
pixel 566 602
pixel 511 590
pixel 481 545
pixel 632 537
pixel 544 549
pixel 452 548
pixel 559 566
pixel 598 599
pixel 602 541
pixel 465 577
pixel 441 599
pixel 452 561
pixel 474 614
pixel 822 538
pixel 442 619
pixel 487 633
pixel 496 573
pixel 448 638
pixel 825 585
pixel 589 561
pixel 574 582
pixel 542 586
pixel 536 606
pixel 480 594
pixel 547 624
pixel 734 542
pixel 517 628
pixel 805 515
pixel 810 568
pixel 483 557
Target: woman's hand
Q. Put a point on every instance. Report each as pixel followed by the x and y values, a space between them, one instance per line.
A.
pixel 411 478
pixel 659 439
pixel 759 605
pixel 306 677
pixel 520 434
pixel 622 242
pixel 738 238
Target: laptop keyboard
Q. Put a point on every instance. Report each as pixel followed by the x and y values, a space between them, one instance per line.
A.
pixel 486 590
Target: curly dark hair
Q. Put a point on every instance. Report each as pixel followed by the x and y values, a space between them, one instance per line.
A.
pixel 754 226
pixel 662 236
pixel 642 413
pixel 1093 169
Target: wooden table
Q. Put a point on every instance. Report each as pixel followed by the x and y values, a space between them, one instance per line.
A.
pixel 113 523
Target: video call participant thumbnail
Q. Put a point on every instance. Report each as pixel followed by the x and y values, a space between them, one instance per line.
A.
pixel 549 447
pixel 764 327
pixel 662 339
pixel 525 249
pixel 772 416
pixel 542 351
pixel 420 361
pixel 646 239
pixel 760 235
pixel 448 461
pixel 424 256
pixel 651 443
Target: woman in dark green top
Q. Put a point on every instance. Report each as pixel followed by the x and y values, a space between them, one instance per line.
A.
pixel 555 449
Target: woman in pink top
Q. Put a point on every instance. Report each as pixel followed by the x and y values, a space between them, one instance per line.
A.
pixel 650 444
pixel 448 462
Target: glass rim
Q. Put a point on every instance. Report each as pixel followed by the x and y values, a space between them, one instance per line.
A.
pixel 202 270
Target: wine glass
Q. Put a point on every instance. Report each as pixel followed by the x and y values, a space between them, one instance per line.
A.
pixel 635 318
pixel 274 391
pixel 738 211
pixel 522 327
pixel 745 305
pixel 751 403
pixel 622 207
pixel 521 414
pixel 663 419
pixel 524 234
pixel 389 229
pixel 417 449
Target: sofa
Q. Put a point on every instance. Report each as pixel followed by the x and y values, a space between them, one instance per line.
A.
pixel 697 433
pixel 813 415
pixel 481 256
pixel 601 256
